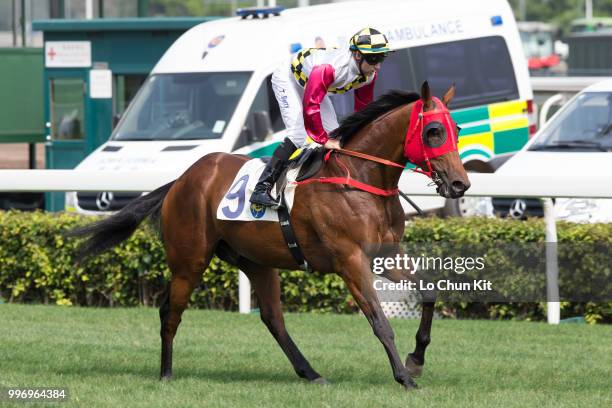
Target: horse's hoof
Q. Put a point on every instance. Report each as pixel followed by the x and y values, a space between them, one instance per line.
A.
pixel 410 385
pixel 321 381
pixel 165 378
pixel 415 370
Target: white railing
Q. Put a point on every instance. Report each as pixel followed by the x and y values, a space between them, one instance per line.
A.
pixel 75 180
pixel 545 186
pixel 483 185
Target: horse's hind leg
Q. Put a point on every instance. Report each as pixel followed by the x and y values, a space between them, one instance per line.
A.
pixel 187 267
pixel 267 288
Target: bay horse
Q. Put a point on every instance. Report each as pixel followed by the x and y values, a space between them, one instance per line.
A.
pixel 331 222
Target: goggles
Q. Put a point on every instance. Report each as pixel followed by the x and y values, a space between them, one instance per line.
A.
pixel 374 59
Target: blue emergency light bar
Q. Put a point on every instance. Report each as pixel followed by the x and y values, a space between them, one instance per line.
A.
pixel 497 21
pixel 259 12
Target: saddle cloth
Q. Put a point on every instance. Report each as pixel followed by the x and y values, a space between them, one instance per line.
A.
pixel 235 205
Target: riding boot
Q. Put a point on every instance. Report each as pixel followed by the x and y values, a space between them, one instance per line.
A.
pixel 261 193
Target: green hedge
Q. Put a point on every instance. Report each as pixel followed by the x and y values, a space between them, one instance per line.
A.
pixel 37 266
pixel 491 234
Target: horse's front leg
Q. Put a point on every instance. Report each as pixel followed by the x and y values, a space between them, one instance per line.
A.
pixel 355 270
pixel 416 359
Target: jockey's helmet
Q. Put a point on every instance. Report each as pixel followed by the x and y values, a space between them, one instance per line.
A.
pixel 370 43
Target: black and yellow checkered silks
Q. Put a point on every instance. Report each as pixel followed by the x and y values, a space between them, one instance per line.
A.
pixel 298 63
pixel 370 41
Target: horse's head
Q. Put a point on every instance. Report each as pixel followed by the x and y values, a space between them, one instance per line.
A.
pixel 431 143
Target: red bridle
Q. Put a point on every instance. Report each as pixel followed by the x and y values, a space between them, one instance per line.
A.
pixel 416 147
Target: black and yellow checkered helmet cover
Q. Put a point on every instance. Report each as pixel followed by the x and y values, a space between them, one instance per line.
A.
pixel 370 41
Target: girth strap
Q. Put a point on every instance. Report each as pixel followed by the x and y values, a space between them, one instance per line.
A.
pixel 289 235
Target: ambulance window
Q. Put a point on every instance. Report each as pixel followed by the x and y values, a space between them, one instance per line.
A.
pixel 183 106
pixel 481 68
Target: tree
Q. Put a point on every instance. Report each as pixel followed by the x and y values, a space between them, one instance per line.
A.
pixel 560 12
pixel 176 8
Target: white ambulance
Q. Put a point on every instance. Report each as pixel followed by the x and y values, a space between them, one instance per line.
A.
pixel 211 89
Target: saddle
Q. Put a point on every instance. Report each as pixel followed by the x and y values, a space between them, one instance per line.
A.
pixel 308 160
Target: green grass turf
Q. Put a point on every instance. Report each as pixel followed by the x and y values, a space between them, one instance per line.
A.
pixel 110 357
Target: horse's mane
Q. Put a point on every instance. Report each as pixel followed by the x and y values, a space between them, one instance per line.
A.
pixel 385 103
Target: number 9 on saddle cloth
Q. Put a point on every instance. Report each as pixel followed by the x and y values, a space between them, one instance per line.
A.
pixel 235 205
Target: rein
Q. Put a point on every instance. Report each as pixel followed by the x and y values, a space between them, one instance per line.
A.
pixel 369 157
pixel 348 180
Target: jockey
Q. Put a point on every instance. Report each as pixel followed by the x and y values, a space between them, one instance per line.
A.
pixel 301 94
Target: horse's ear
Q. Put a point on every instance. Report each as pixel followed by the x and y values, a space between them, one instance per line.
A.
pixel 449 95
pixel 426 95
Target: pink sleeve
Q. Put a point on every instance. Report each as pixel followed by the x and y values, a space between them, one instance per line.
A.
pixel 320 78
pixel 364 95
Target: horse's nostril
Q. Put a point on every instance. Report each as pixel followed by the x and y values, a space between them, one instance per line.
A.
pixel 458 186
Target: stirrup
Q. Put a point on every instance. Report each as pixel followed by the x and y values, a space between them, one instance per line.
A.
pixel 265 199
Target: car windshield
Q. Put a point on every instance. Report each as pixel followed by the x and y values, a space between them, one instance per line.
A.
pixel 586 124
pixel 182 106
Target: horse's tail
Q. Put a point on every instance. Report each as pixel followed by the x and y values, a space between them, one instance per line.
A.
pixel 113 230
